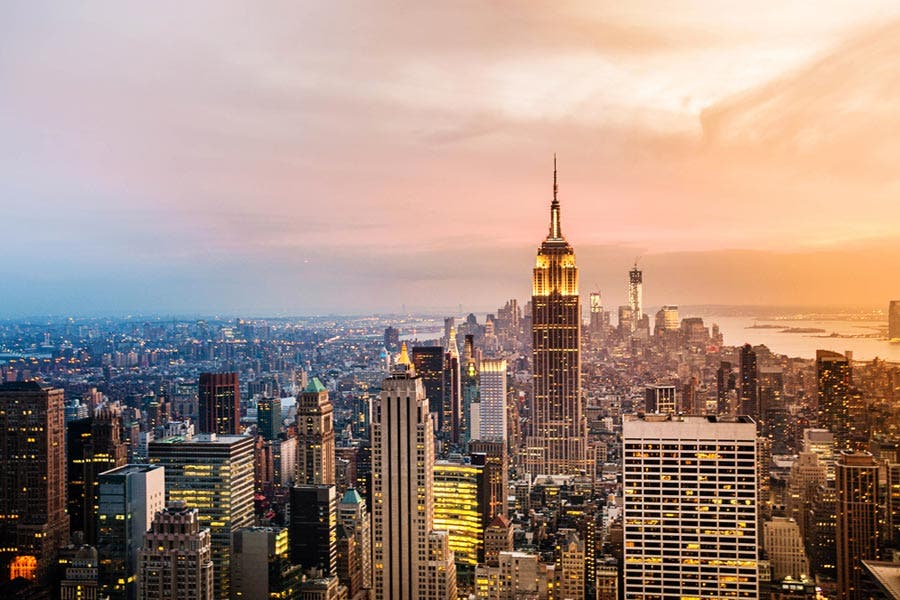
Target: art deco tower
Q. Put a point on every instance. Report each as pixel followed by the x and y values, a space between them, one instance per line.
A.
pixel 315 436
pixel 557 444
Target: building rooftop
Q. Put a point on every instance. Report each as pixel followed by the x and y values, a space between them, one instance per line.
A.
pixel 315 386
pixel 887 574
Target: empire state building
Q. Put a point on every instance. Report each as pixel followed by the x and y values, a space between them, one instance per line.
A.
pixel 557 444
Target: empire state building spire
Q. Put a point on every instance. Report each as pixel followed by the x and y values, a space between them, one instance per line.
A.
pixel 555 232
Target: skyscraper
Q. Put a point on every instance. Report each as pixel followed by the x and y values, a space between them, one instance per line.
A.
pixel 313 528
pixel 175 562
pixel 129 498
pixel 33 519
pixel 724 384
pixel 214 474
pixel 834 377
pixel 856 485
pixel 453 424
pixel 354 519
pixel 268 418
pixel 429 363
pixel 557 441
pixel 219 399
pixel 261 566
pixel 749 383
pixel 458 489
pixel 493 400
pixel 894 320
pixel 315 435
pixel 493 455
pixel 410 560
pixel 635 292
pixel 695 476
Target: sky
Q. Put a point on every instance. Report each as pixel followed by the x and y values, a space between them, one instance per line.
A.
pixel 357 157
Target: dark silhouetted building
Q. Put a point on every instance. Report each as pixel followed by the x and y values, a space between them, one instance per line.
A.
pixel 268 418
pixel 749 383
pixel 894 320
pixel 33 519
pixel 313 527
pixel 429 363
pixel 856 485
pixel 220 403
pixel 392 339
pixel 834 378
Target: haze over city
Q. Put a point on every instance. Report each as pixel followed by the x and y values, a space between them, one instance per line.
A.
pixel 341 159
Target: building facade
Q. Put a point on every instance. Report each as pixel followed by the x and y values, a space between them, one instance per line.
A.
pixel 409 560
pixel 690 509
pixel 175 562
pixel 315 435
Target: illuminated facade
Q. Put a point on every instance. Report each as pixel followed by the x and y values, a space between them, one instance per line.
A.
pixel 458 488
pixel 493 456
pixel 214 474
pixel 690 510
pixel 315 435
pixel 33 519
pixel 558 437
pixel 219 398
pixel 129 498
pixel 175 561
pixel 410 560
pixel 493 400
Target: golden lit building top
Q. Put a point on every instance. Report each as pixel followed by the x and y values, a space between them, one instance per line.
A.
pixel 554 270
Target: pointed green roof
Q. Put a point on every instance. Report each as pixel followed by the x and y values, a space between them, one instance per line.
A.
pixel 351 496
pixel 315 386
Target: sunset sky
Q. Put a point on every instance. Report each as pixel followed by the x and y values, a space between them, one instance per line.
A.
pixel 353 157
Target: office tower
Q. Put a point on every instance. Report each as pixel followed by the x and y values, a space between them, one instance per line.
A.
pixel 268 418
pixel 391 339
pixel 784 548
pixel 33 519
pixel 891 535
pixel 570 560
pixel 315 435
pixel 129 498
pixel 214 474
pixel 607 586
pixel 807 474
pixel 834 376
pixel 725 382
pixel 354 521
pixel 429 364
pixel 517 575
pixel 175 562
pixel 695 475
pixel 93 445
pixel 471 391
pixel 409 560
pixel 894 320
pixel 458 490
pixel 493 455
pixel 313 527
pixel 820 535
pixel 452 391
pixel 771 389
pixel 749 383
pixel 821 442
pixel 261 566
pixel 498 537
pixel 219 400
pixel 660 399
pixel 857 527
pixel 635 292
pixel 493 400
pixel 666 320
pixel 79 575
pixel 557 443
pixel 284 459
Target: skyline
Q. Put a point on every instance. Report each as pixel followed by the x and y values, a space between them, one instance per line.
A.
pixel 155 165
